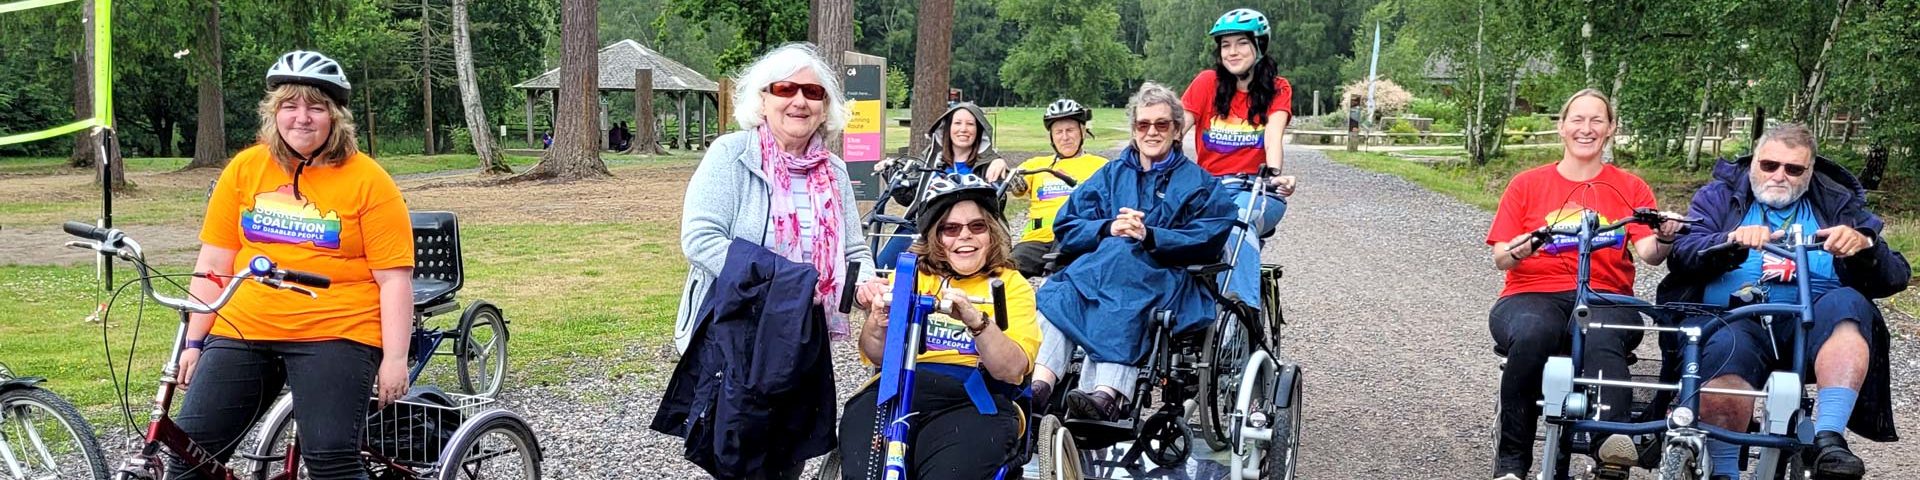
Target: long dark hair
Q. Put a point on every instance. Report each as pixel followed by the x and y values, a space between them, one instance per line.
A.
pixel 1259 92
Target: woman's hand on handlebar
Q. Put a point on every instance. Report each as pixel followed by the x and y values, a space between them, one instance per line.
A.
pixel 1669 230
pixel 996 170
pixel 1282 184
pixel 871 293
pixel 963 309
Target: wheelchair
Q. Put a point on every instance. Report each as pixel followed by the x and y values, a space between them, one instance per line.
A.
pixel 1245 401
pixel 478 340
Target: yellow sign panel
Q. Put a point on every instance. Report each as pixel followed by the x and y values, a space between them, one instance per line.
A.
pixel 867 117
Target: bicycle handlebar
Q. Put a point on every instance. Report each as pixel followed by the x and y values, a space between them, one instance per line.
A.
pixel 260 269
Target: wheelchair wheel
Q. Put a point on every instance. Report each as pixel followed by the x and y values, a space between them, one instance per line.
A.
pixel 1059 458
pixel 1227 347
pixel 1169 440
pixel 499 446
pixel 830 467
pixel 481 351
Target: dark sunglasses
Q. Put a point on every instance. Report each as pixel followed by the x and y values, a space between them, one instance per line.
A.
pixel 784 89
pixel 1162 125
pixel 978 227
pixel 1769 166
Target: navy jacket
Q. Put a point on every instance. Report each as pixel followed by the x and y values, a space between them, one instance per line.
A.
pixel 1104 299
pixel 1837 199
pixel 754 392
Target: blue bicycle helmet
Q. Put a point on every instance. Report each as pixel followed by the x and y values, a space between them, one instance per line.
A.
pixel 1241 20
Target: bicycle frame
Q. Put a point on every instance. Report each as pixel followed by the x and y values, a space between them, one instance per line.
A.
pixel 1783 393
pixel 906 329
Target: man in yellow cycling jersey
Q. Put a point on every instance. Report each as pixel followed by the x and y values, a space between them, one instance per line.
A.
pixel 1046 192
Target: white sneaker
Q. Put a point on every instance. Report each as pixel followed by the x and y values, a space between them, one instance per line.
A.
pixel 1507 477
pixel 1618 450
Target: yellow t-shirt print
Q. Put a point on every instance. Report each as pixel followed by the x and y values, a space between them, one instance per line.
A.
pixel 278 217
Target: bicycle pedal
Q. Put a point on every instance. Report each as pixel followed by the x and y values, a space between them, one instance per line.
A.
pixel 1612 472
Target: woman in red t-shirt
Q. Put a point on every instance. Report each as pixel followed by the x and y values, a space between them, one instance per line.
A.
pixel 1235 121
pixel 1530 321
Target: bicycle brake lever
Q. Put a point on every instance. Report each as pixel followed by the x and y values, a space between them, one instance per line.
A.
pixel 301 290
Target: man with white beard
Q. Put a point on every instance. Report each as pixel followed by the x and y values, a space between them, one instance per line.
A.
pixel 1781 189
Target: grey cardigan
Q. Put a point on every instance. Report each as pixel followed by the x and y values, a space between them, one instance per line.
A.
pixel 728 197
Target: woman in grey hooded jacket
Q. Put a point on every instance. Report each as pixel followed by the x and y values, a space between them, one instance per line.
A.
pixel 962 143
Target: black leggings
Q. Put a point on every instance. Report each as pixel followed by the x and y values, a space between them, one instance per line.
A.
pixel 949 438
pixel 235 382
pixel 1528 328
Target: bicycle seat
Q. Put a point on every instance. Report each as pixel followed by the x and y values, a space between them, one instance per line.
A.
pixel 437 266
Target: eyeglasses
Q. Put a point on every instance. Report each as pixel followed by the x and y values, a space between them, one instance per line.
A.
pixel 1160 125
pixel 978 227
pixel 784 89
pixel 1769 166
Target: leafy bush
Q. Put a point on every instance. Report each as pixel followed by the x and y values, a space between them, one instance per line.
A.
pixel 1445 126
pixel 1437 109
pixel 1530 124
pixel 1402 126
pixel 462 140
pixel 897 87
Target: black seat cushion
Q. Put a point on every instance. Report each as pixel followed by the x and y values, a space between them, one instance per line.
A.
pixel 429 291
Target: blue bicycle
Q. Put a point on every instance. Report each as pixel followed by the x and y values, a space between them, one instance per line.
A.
pixel 1569 400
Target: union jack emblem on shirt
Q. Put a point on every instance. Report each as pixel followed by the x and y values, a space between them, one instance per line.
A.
pixel 1776 268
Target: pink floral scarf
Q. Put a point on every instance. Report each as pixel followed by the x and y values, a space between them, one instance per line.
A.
pixel 824 191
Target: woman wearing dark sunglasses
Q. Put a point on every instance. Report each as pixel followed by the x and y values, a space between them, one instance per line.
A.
pixel 1130 231
pixel 972 364
pixel 775 184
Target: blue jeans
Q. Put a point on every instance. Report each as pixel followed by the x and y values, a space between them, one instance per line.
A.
pixel 1260 213
pixel 235 382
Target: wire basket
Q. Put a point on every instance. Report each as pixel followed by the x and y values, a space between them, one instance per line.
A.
pixel 414 430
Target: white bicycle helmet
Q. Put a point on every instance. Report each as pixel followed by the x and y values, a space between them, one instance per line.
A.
pixel 311 68
pixel 945 190
pixel 1066 108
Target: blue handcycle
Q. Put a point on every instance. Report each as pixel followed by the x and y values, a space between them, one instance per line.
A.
pixel 1569 402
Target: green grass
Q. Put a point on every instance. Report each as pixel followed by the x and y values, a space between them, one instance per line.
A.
pixel 1019 129
pixel 1481 186
pixel 569 305
pixel 58 165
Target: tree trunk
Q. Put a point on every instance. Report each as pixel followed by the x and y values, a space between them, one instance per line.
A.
pixel 210 134
pixel 1700 132
pixel 426 76
pixel 933 52
pixel 476 113
pixel 831 29
pixel 85 146
pixel 645 140
pixel 1477 134
pixel 1809 96
pixel 576 143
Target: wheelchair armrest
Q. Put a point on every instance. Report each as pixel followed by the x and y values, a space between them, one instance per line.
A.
pixel 1208 270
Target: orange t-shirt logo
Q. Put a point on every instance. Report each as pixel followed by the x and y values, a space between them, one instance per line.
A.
pixel 278 217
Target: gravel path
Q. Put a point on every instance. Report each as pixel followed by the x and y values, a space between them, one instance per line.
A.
pixel 1387 289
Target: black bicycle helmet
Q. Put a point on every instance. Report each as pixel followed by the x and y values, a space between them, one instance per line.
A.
pixel 943 191
pixel 311 68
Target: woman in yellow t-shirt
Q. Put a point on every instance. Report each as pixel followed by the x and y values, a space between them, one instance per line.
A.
pixel 972 365
pixel 1045 192
pixel 307 199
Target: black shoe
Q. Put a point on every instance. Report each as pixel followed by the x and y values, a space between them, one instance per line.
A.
pixel 1042 394
pixel 1832 459
pixel 1099 406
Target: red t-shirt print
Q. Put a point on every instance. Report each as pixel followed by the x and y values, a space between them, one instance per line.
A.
pixel 1539 197
pixel 1230 144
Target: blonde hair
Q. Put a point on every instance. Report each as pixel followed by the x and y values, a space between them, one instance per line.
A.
pixel 341 141
pixel 1612 117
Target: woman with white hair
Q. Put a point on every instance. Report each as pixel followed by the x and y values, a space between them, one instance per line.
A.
pixel 774 184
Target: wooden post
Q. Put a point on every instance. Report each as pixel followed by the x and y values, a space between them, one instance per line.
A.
pixel 530 139
pixel 702 102
pixel 644 141
pixel 682 120
pixel 723 101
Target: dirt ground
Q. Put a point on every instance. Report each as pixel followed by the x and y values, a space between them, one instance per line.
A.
pixel 642 193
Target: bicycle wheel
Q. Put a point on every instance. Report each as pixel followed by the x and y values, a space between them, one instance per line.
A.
pixel 501 447
pixel 43 436
pixel 481 351
pixel 1283 450
pixel 1679 463
pixel 1226 351
pixel 269 457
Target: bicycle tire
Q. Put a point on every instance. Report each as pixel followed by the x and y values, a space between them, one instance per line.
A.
pixel 1215 402
pixel 517 432
pixel 1282 455
pixel 485 378
pixel 1677 463
pixel 273 435
pixel 67 416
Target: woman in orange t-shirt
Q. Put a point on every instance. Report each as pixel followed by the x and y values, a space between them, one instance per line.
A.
pixel 307 199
